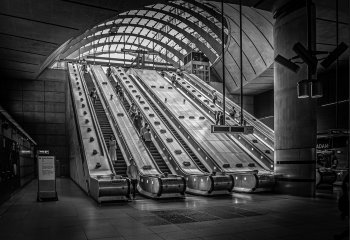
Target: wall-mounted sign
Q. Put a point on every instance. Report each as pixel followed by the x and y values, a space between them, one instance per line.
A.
pixel 43 152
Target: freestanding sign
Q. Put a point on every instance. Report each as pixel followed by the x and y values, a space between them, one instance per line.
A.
pixel 46 178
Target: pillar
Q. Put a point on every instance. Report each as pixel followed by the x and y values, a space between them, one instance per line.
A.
pixel 295 119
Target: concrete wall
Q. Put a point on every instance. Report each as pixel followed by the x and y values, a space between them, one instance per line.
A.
pixel 38 105
pixel 263 107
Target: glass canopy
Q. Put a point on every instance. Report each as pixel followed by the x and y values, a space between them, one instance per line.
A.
pixel 165 33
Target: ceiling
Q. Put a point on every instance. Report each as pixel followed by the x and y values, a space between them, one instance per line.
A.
pixel 32 30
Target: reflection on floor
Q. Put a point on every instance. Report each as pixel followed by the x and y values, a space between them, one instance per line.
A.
pixel 240 216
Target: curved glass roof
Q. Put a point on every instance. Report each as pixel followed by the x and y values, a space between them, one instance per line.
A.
pixel 167 32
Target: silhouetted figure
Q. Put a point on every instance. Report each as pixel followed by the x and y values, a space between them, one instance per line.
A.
pixel 148 138
pixel 233 112
pixel 221 118
pixel 215 97
pixel 217 118
pixel 93 95
pixel 109 71
pixel 173 79
pixel 112 148
pixel 84 66
pixel 133 173
pixel 143 131
pixel 343 205
pixel 138 121
pixel 132 110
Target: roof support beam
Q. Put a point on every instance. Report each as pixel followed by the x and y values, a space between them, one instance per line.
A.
pixel 200 31
pixel 89 40
pixel 214 28
pixel 89 47
pixel 177 41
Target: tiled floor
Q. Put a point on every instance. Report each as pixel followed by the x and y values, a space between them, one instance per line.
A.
pixel 240 216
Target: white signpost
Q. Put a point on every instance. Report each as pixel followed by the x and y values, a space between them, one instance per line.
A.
pixel 46 178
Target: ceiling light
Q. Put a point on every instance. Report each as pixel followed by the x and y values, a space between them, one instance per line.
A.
pixel 303 89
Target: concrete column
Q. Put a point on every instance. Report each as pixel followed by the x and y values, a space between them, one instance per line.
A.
pixel 295 119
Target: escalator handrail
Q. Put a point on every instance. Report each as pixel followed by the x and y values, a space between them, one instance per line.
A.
pixel 101 142
pixel 116 124
pixel 165 145
pixel 193 139
pixel 256 123
pixel 75 113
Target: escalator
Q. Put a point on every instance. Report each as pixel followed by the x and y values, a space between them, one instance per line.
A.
pixel 91 167
pixel 263 132
pixel 176 134
pixel 249 142
pixel 120 165
pixel 152 183
pixel 163 167
pixel 198 181
pixel 249 174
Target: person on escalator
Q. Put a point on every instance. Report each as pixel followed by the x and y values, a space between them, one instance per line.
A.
pixel 143 131
pixel 162 73
pixel 109 71
pixel 221 118
pixel 233 112
pixel 173 79
pixel 148 138
pixel 121 94
pixel 178 72
pixel 132 110
pixel 93 95
pixel 217 117
pixel 133 173
pixel 112 149
pixel 215 97
pixel 138 121
pixel 117 88
pixel 84 66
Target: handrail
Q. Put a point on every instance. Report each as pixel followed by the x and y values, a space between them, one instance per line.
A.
pixel 185 130
pixel 164 144
pixel 81 145
pixel 102 144
pixel 252 120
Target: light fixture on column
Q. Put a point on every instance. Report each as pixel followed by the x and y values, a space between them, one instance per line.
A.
pixel 316 89
pixel 287 63
pixel 303 88
pixel 334 55
pixel 307 56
